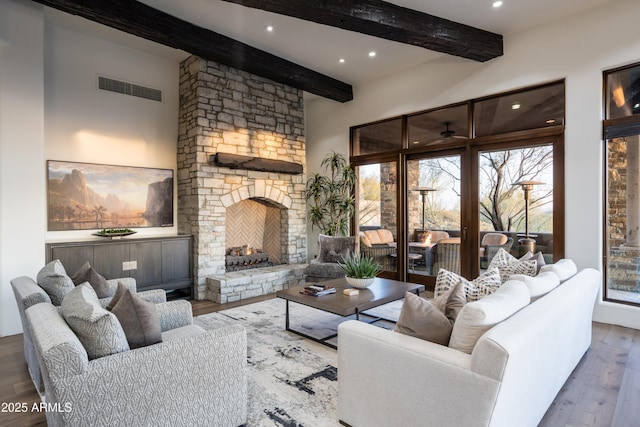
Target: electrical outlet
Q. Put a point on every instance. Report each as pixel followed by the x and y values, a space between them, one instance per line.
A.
pixel 129 265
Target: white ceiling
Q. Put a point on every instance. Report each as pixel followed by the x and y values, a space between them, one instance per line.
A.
pixel 319 47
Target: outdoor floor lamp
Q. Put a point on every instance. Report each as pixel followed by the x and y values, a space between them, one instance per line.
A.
pixel 423 196
pixel 527 242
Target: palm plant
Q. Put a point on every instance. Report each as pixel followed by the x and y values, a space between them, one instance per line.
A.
pixel 330 197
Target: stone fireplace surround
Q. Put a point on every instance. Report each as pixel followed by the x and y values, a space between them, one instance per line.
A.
pixel 226 110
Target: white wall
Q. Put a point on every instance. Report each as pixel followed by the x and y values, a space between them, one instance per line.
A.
pixel 85 124
pixel 50 109
pixel 22 197
pixel 577 48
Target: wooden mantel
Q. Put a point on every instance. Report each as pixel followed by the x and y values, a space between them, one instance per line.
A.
pixel 236 161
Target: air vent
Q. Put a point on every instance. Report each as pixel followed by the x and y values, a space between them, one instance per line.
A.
pixel 118 86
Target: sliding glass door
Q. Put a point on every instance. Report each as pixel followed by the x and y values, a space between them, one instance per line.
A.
pixel 515 205
pixel 377 215
pixel 433 216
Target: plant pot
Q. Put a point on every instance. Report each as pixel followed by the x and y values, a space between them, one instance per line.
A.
pixel 360 283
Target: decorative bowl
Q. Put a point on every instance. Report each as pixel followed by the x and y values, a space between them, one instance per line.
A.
pixel 360 283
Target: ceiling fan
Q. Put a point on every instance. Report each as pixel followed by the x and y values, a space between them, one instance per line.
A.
pixel 446 135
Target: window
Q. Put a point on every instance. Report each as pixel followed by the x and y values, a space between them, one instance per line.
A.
pixel 378 137
pixel 458 174
pixel 622 206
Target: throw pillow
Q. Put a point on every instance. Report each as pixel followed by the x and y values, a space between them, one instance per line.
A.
pixel 120 289
pixel 55 282
pixel 539 285
pixel 139 320
pixel 477 317
pixel 332 248
pixel 564 269
pixel 538 257
pixel 421 319
pixel 86 273
pixel 507 264
pixel 83 268
pixel 451 302
pixel 334 256
pixel 485 284
pixel 98 330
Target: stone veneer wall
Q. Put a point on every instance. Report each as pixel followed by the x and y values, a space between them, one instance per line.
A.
pixel 226 110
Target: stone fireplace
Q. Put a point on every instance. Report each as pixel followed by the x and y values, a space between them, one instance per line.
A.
pixel 224 110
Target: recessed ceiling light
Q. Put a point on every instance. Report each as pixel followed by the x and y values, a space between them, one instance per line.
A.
pixel 515 106
pixel 269 28
pixel 497 4
pixel 342 60
pixel 635 107
pixel 416 142
pixel 550 121
pixel 372 53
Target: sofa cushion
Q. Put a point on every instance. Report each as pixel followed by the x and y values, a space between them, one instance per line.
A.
pixel 86 273
pixel 380 236
pixel 564 269
pixel 477 317
pixel 494 239
pixel 421 319
pixel 507 264
pixel 485 284
pixel 364 240
pixel 538 257
pixel 538 285
pixel 54 280
pixel 333 249
pixel 98 330
pixel 139 320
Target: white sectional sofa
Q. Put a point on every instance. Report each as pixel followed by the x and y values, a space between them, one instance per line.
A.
pixel 511 377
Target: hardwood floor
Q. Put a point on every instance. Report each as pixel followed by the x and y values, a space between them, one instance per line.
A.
pixel 603 390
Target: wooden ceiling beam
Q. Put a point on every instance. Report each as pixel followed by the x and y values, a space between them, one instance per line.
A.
pixel 144 21
pixel 388 21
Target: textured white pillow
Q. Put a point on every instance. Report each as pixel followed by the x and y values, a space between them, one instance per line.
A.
pixel 509 265
pixel 538 257
pixel 538 285
pixel 564 269
pixel 485 284
pixel 478 317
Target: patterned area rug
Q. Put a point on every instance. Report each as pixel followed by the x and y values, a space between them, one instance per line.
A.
pixel 293 381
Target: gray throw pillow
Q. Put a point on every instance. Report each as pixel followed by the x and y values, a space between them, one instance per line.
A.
pixel 97 282
pixel 332 249
pixel 139 320
pixel 98 330
pixel 55 282
pixel 421 319
pixel 120 289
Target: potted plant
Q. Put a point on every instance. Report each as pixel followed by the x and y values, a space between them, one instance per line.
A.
pixel 360 270
pixel 330 197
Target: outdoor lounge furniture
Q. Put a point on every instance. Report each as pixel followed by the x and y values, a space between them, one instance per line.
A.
pixel 379 244
pixel 490 245
pixel 446 254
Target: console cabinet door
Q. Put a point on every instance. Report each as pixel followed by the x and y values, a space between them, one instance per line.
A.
pixel 176 261
pixel 148 257
pixel 108 260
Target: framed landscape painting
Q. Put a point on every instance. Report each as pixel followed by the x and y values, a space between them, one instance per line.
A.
pixel 83 196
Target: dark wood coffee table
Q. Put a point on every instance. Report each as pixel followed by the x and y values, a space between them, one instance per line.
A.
pixel 380 292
